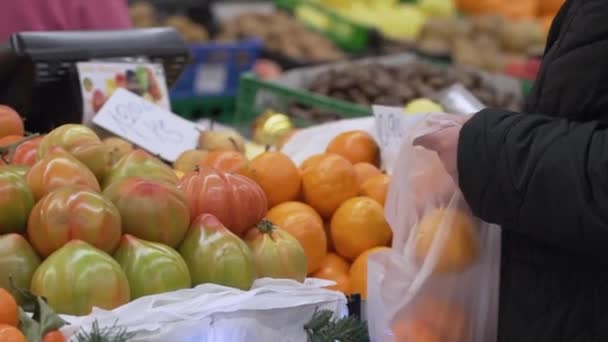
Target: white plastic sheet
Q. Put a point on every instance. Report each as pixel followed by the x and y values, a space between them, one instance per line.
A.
pixel 273 310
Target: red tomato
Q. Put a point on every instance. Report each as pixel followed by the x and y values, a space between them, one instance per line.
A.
pixel 26 153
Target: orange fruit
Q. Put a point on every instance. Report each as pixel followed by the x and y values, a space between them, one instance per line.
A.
pixel 342 281
pixel 358 272
pixel 278 176
pixel 188 160
pixel 227 161
pixel 303 222
pixel 376 188
pixel 328 183
pixel 356 146
pixel 359 225
pixel 10 122
pixel 312 160
pixel 333 263
pixel 459 248
pixel 415 330
pixel 366 171
pixel 9 311
pixel 9 333
pixel 330 243
pixel 54 336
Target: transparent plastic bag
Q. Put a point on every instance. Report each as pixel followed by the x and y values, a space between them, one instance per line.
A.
pixel 440 282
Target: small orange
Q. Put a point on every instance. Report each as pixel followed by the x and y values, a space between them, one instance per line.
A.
pixel 303 222
pixel 10 122
pixel 415 330
pixel 9 139
pixel 459 249
pixel 342 281
pixel 54 336
pixel 328 183
pixel 278 176
pixel 9 311
pixel 9 333
pixel 227 161
pixel 376 188
pixel 188 160
pixel 358 272
pixel 359 225
pixel 366 171
pixel 357 146
pixel 333 263
pixel 312 160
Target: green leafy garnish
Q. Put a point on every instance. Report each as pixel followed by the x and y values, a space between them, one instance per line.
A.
pixel 324 328
pixel 114 333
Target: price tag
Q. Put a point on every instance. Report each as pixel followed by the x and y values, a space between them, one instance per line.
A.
pixel 147 125
pixel 391 126
pixel 210 79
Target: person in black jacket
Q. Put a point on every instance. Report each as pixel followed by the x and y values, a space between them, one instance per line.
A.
pixel 543 176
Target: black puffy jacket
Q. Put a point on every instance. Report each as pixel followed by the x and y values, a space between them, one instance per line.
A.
pixel 543 176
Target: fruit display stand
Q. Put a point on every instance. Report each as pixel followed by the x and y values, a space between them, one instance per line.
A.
pixel 256 95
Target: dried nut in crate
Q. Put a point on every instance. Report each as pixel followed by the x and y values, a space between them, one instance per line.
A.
pixel 457 250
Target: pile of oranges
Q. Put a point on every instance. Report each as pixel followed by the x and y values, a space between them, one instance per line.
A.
pixel 9 322
pixel 332 203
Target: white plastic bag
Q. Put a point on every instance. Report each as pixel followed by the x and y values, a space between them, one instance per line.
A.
pixel 273 310
pixel 441 280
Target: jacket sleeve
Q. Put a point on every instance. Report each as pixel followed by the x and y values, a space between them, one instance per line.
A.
pixel 541 176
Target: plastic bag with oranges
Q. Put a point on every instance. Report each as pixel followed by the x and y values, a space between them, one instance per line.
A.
pixel 440 281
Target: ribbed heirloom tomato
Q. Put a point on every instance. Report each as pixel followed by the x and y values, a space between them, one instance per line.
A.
pixel 58 169
pixel 16 202
pixel 151 210
pixel 139 163
pixel 18 261
pixel 71 213
pixel 27 152
pixel 80 141
pixel 237 201
pixel 227 161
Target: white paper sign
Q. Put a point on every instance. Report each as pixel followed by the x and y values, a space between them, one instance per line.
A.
pixel 147 125
pixel 391 123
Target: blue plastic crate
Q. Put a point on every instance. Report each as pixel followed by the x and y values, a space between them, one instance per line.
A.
pixel 216 68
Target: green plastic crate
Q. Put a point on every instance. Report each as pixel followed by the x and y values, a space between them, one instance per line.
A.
pixel 347 34
pixel 217 108
pixel 279 97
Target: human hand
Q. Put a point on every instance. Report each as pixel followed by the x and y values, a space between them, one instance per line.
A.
pixel 444 141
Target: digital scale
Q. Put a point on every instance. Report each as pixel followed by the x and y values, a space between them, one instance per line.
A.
pixel 38 76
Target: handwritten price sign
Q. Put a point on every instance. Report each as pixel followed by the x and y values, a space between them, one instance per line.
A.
pixel 391 126
pixel 147 125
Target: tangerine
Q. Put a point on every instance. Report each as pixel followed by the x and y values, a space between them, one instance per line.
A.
pixel 302 222
pixel 342 281
pixel 312 160
pixel 10 122
pixel 54 336
pixel 376 188
pixel 9 310
pixel 328 183
pixel 357 146
pixel 278 176
pixel 9 333
pixel 365 171
pixel 458 249
pixel 359 225
pixel 358 272
pixel 227 161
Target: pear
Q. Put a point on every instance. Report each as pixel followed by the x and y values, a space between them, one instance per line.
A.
pixel 189 160
pixel 151 267
pixel 212 140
